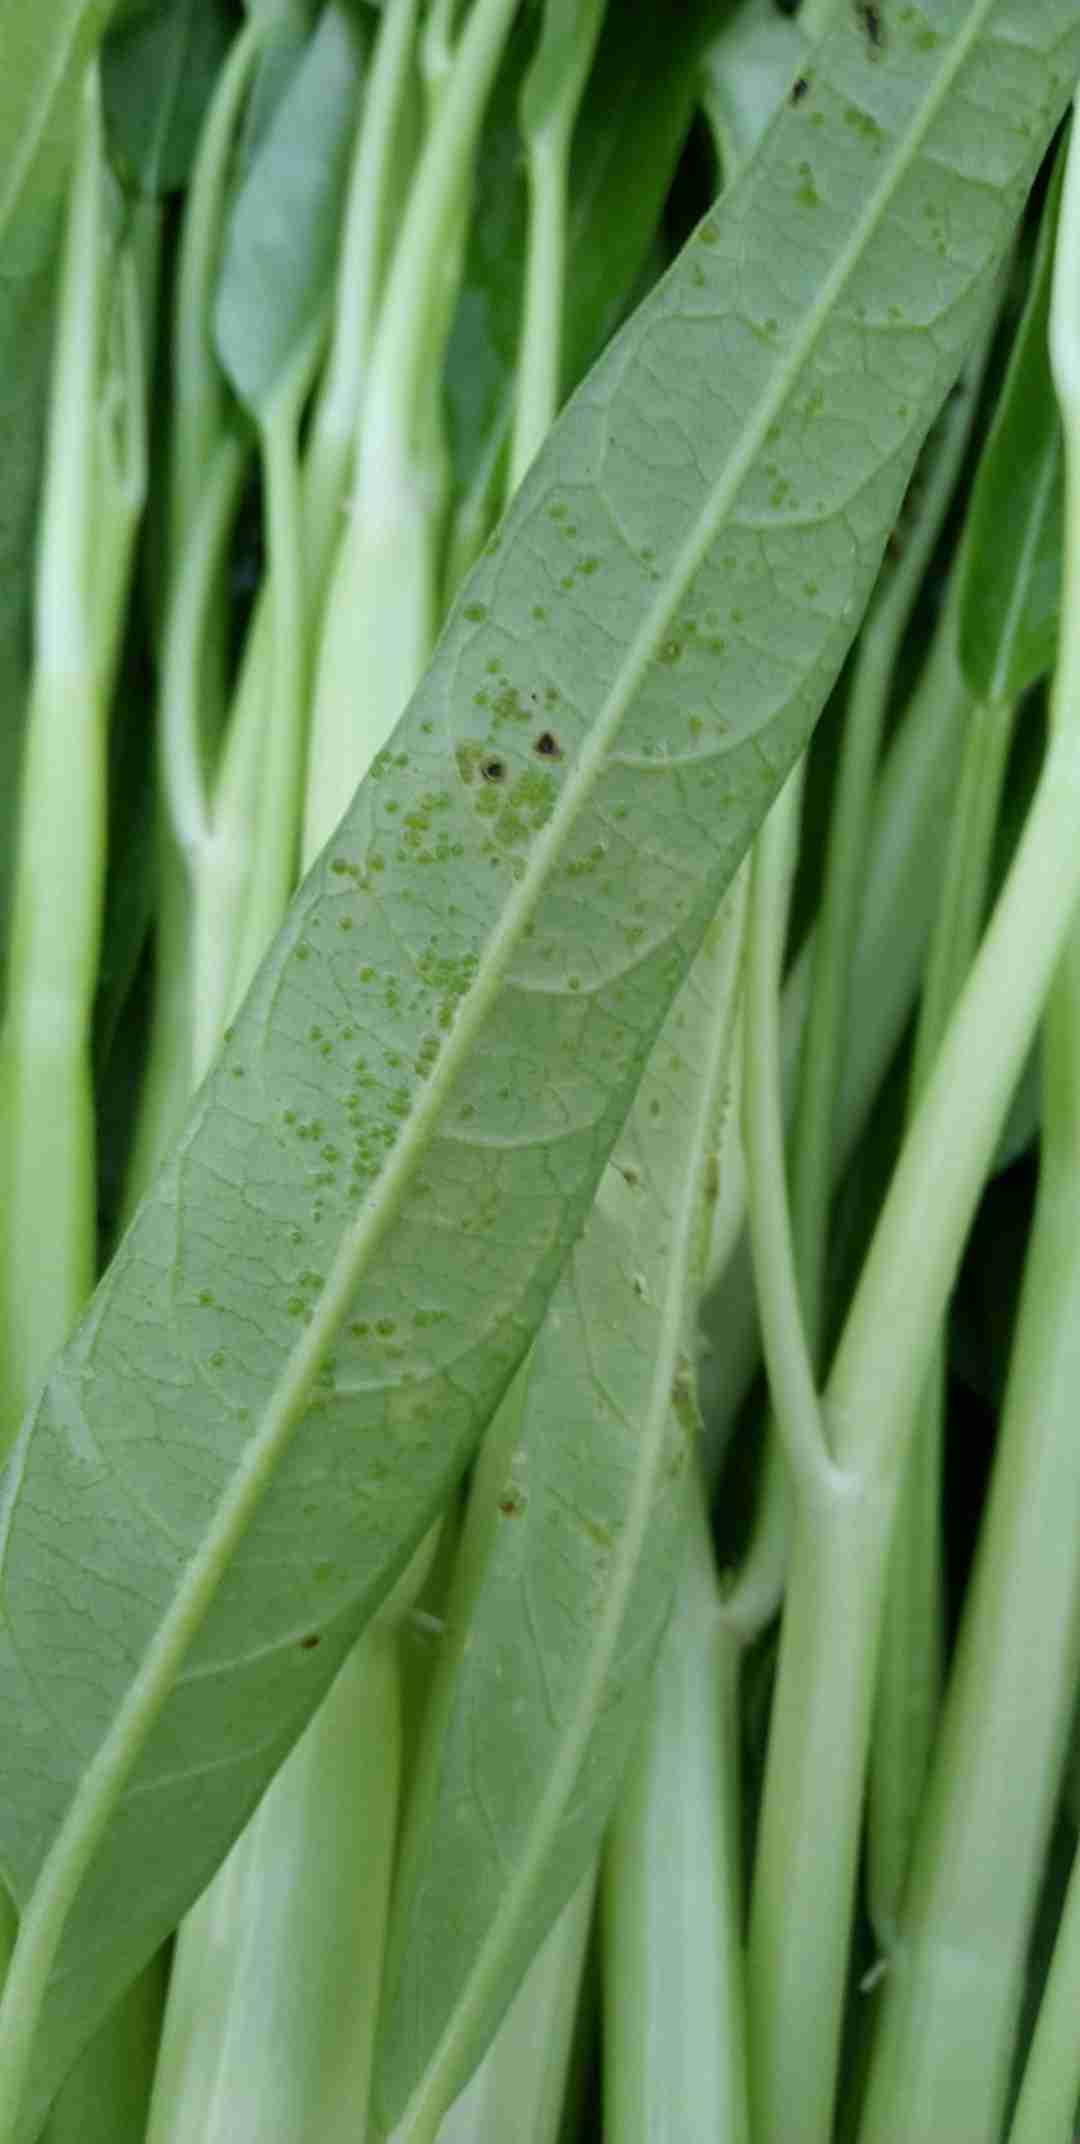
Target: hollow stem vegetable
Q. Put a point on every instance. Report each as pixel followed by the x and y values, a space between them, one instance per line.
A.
pixel 914 791
pixel 93 493
pixel 674 2023
pixel 804 1877
pixel 999 586
pixel 963 1940
pixel 381 609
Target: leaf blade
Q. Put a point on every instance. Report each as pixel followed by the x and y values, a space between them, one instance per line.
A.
pixel 314 1180
pixel 280 238
pixel 1011 595
pixel 576 1525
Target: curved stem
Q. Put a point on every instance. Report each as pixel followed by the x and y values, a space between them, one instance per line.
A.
pixel 199 400
pixel 791 1376
pixel 274 848
pixel 365 241
pixel 47 1245
pixel 674 2026
pixel 953 1995
pixel 912 1644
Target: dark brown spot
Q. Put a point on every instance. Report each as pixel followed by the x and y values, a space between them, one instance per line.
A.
pixel 548 746
pixel 308 1644
pixel 493 770
pixel 872 20
pixel 512 1503
pixel 799 88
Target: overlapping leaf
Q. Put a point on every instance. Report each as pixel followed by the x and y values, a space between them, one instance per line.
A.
pixel 281 237
pixel 575 1528
pixel 1011 597
pixel 158 69
pixel 314 1314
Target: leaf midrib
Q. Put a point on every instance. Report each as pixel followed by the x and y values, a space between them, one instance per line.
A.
pixel 104 1777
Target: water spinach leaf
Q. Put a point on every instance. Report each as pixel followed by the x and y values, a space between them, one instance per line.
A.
pixel 1011 594
pixel 577 1522
pixel 317 1309
pixel 44 49
pixel 157 72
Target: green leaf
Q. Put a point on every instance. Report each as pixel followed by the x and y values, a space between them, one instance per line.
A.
pixel 281 239
pixel 45 48
pixel 157 73
pixel 755 60
pixel 575 1530
pixel 1014 538
pixel 318 1308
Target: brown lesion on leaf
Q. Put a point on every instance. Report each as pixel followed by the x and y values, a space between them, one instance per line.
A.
pixel 512 1502
pixel 308 1644
pixel 547 745
pixel 871 18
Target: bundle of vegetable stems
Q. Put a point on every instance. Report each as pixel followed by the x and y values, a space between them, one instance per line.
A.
pixel 640 1706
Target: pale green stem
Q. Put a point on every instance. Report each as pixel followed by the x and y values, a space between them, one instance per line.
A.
pixel 226 941
pixel 120 466
pixel 402 353
pixel 674 2030
pixel 947 2034
pixel 942 2060
pixel 518 2094
pixel 49 1220
pixel 365 243
pixel 551 95
pixel 912 1639
pixel 381 614
pixel 1050 2091
pixel 914 796
pixel 848 848
pixel 811 1813
pixel 274 856
pixel 756 1589
pixel 276 1974
pixel 538 370
pixel 182 994
pixel 791 1375
pixel 199 400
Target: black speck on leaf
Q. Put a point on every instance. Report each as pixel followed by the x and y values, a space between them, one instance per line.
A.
pixel 872 19
pixel 799 88
pixel 548 746
pixel 493 770
pixel 308 1644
